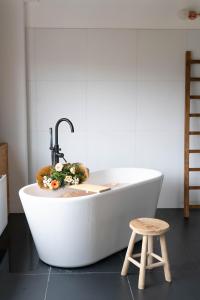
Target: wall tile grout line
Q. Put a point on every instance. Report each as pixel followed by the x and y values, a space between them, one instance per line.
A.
pixel 48 279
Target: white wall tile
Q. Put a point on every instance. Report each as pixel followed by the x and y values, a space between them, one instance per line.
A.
pixel 111 106
pixel 163 151
pixel 33 148
pixel 161 54
pixel 111 54
pixel 124 92
pixel 58 99
pixel 61 54
pixel 193 38
pixel 160 106
pixel 30 53
pixel 106 150
pixel 195 196
pixel 32 105
pixel 74 146
pixel 194 142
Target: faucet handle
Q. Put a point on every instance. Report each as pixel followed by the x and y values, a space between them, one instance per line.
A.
pixel 61 155
pixel 51 146
pixel 51 138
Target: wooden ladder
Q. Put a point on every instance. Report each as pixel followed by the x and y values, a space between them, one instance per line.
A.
pixel 188 97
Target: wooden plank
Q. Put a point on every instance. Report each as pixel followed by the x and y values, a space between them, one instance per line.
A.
pixel 194 78
pixel 136 255
pixel 195 61
pixel 194 169
pixel 186 135
pixel 194 132
pixel 194 205
pixel 194 151
pixel 155 265
pixel 194 115
pixel 90 187
pixel 135 262
pixel 164 254
pixel 194 187
pixel 156 256
pixel 197 97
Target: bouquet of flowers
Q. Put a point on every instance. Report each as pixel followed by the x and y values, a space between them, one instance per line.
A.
pixel 61 175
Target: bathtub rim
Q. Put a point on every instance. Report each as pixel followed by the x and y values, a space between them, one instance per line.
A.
pixel 22 191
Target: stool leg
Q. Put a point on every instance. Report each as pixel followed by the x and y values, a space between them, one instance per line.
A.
pixel 150 249
pixel 128 254
pixel 165 258
pixel 141 281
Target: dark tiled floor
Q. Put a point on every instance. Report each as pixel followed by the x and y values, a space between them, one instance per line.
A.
pixel 23 276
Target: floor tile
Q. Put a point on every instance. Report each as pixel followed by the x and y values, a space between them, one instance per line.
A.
pixel 157 288
pixel 10 263
pixel 111 264
pixel 88 287
pixel 22 287
pixel 17 249
pixel 102 280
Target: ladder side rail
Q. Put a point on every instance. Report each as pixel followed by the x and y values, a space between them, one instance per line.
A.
pixel 188 59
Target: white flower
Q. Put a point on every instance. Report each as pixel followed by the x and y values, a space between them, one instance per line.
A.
pixel 58 167
pixel 49 180
pixel 45 177
pixel 48 184
pixel 73 170
pixel 68 179
pixel 76 180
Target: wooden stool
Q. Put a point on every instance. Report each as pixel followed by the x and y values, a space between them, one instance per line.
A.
pixel 148 228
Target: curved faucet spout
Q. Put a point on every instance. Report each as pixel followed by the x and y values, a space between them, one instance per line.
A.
pixel 57 125
pixel 55 150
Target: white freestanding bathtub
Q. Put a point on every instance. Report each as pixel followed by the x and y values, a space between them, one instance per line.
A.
pixel 74 232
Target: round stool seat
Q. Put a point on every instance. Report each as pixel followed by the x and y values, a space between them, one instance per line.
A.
pixel 149 226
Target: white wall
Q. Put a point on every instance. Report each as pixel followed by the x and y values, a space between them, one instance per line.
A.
pixel 82 68
pixel 111 13
pixel 13 125
pixel 124 91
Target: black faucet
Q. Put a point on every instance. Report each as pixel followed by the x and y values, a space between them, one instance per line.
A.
pixel 55 150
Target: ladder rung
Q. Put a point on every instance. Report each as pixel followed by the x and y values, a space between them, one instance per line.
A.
pixel 194 169
pixel 194 151
pixel 194 205
pixel 195 61
pixel 195 115
pixel 194 187
pixel 195 97
pixel 194 132
pixel 194 78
